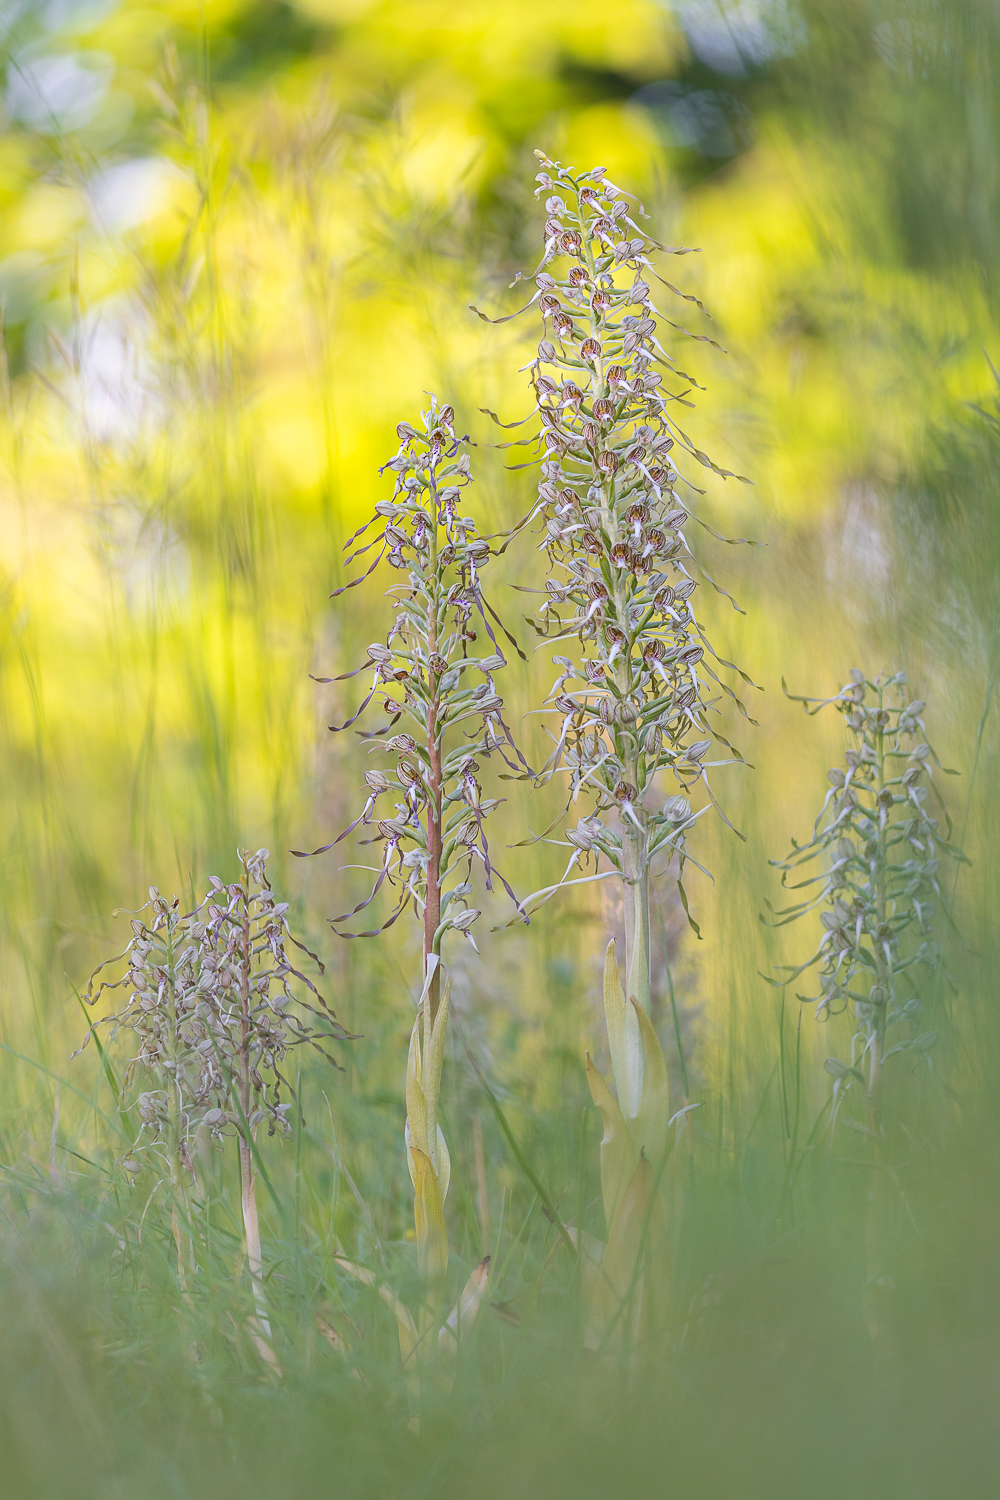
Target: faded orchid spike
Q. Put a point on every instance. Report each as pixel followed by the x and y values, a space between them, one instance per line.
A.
pixel 878 893
pixel 879 889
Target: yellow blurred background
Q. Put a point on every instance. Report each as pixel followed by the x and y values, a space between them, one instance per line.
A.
pixel 240 242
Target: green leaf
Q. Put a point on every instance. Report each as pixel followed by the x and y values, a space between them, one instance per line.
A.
pixel 433 1064
pixel 416 1105
pixel 407 1327
pixel 618 1150
pixel 625 1237
pixel 614 1014
pixel 650 1127
pixel 428 1218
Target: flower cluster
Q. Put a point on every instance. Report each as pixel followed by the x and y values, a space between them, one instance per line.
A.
pixel 621 580
pixel 210 1003
pixel 443 699
pixel 879 890
pixel 450 717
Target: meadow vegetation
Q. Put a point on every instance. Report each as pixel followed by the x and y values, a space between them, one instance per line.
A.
pixel 520 1116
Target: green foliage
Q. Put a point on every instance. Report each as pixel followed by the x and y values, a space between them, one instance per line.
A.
pixel 199 387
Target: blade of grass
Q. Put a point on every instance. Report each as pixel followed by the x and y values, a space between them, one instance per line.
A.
pixel 66 1084
pixel 519 1155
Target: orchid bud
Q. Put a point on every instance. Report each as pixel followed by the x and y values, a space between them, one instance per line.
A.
pixel 464 919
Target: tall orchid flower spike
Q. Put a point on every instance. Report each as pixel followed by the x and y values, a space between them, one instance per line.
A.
pixel 434 682
pixel 637 701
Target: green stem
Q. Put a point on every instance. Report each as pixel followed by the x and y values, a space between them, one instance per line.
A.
pixel 883 971
pixel 432 903
pixel 179 1207
pixel 875 1207
pixel 673 1006
pixel 251 1224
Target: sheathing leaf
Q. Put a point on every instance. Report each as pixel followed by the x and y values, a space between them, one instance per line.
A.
pixel 618 1150
pixel 621 1259
pixel 649 1129
pixel 432 1235
pixel 615 1014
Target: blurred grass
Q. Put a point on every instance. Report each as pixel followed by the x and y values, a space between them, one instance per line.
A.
pixel 205 368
